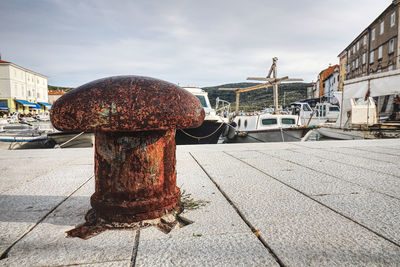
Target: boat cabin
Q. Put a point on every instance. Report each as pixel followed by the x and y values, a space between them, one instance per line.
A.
pixel 265 121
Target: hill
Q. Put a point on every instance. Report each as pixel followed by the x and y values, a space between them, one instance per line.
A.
pixel 59 88
pixel 258 99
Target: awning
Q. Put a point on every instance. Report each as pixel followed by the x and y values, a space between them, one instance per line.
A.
pixel 4 108
pixel 26 103
pixel 37 106
pixel 45 104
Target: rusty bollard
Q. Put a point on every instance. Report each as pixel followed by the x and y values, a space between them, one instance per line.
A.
pixel 134 120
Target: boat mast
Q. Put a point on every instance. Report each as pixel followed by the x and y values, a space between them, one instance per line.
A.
pixel 276 102
pixel 269 82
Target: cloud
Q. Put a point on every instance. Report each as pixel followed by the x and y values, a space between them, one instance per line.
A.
pixel 187 42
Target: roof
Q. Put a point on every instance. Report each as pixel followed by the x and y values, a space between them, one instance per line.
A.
pixel 25 69
pixel 328 72
pixel 56 92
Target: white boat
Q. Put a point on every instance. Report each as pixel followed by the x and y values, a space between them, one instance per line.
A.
pixel 22 136
pixel 265 127
pixel 213 125
pixel 361 123
pixel 369 108
pixel 322 113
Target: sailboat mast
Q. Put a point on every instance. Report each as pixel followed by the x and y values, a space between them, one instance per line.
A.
pixel 276 109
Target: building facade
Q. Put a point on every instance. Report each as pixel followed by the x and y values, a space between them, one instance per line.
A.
pixel 376 49
pixel 331 85
pixel 22 90
pixel 321 90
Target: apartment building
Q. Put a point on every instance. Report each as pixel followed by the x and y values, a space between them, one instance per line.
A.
pixel 376 49
pixel 22 90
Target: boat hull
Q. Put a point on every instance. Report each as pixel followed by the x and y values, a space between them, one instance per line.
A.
pixel 372 132
pixel 275 135
pixel 62 138
pixel 208 133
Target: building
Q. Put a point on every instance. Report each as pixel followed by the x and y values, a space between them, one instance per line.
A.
pixel 54 95
pixel 321 90
pixel 331 85
pixel 376 48
pixel 22 90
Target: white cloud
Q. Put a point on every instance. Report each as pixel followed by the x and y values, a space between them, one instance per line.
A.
pixel 188 42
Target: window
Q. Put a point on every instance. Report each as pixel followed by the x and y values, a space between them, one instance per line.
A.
pixel 380 49
pixel 269 121
pixel 373 34
pixel 353 65
pixel 371 57
pixel 202 100
pixel 391 46
pixel 358 46
pixel 393 19
pixel 354 49
pixel 382 28
pixel 306 108
pixel 390 67
pixel 348 54
pixel 334 108
pixel 356 63
pixel 364 57
pixel 3 103
pixel 348 68
pixel 288 121
pixel 365 40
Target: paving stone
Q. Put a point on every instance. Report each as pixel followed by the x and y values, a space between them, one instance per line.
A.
pixel 24 206
pixel 370 179
pixel 367 164
pixel 217 236
pixel 46 244
pixel 300 231
pixel 241 249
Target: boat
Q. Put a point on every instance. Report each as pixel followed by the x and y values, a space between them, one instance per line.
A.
pixel 323 112
pixel 71 139
pixel 22 136
pixel 214 123
pixel 369 108
pixel 264 126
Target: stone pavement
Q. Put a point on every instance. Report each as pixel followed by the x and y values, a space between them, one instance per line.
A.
pixel 331 203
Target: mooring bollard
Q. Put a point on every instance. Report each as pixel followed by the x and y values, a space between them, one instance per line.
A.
pixel 134 119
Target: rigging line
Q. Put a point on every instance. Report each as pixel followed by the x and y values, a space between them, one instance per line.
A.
pixel 202 137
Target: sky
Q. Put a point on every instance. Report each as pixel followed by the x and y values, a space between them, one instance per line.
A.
pixel 190 43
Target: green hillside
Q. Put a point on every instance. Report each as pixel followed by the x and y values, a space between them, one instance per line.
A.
pixel 258 99
pixel 59 88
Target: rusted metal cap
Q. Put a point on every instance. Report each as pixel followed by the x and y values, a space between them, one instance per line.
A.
pixel 126 104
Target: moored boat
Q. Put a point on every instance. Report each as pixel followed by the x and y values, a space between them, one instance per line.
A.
pixel 212 127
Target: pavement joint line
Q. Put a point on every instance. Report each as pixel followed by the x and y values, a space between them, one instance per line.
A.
pixel 319 202
pixel 348 164
pixel 5 252
pixel 241 215
pixel 135 249
pixel 348 154
pixel 331 175
pixel 86 263
pixel 390 154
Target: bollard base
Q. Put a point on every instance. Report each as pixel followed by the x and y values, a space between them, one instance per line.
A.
pixel 95 225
